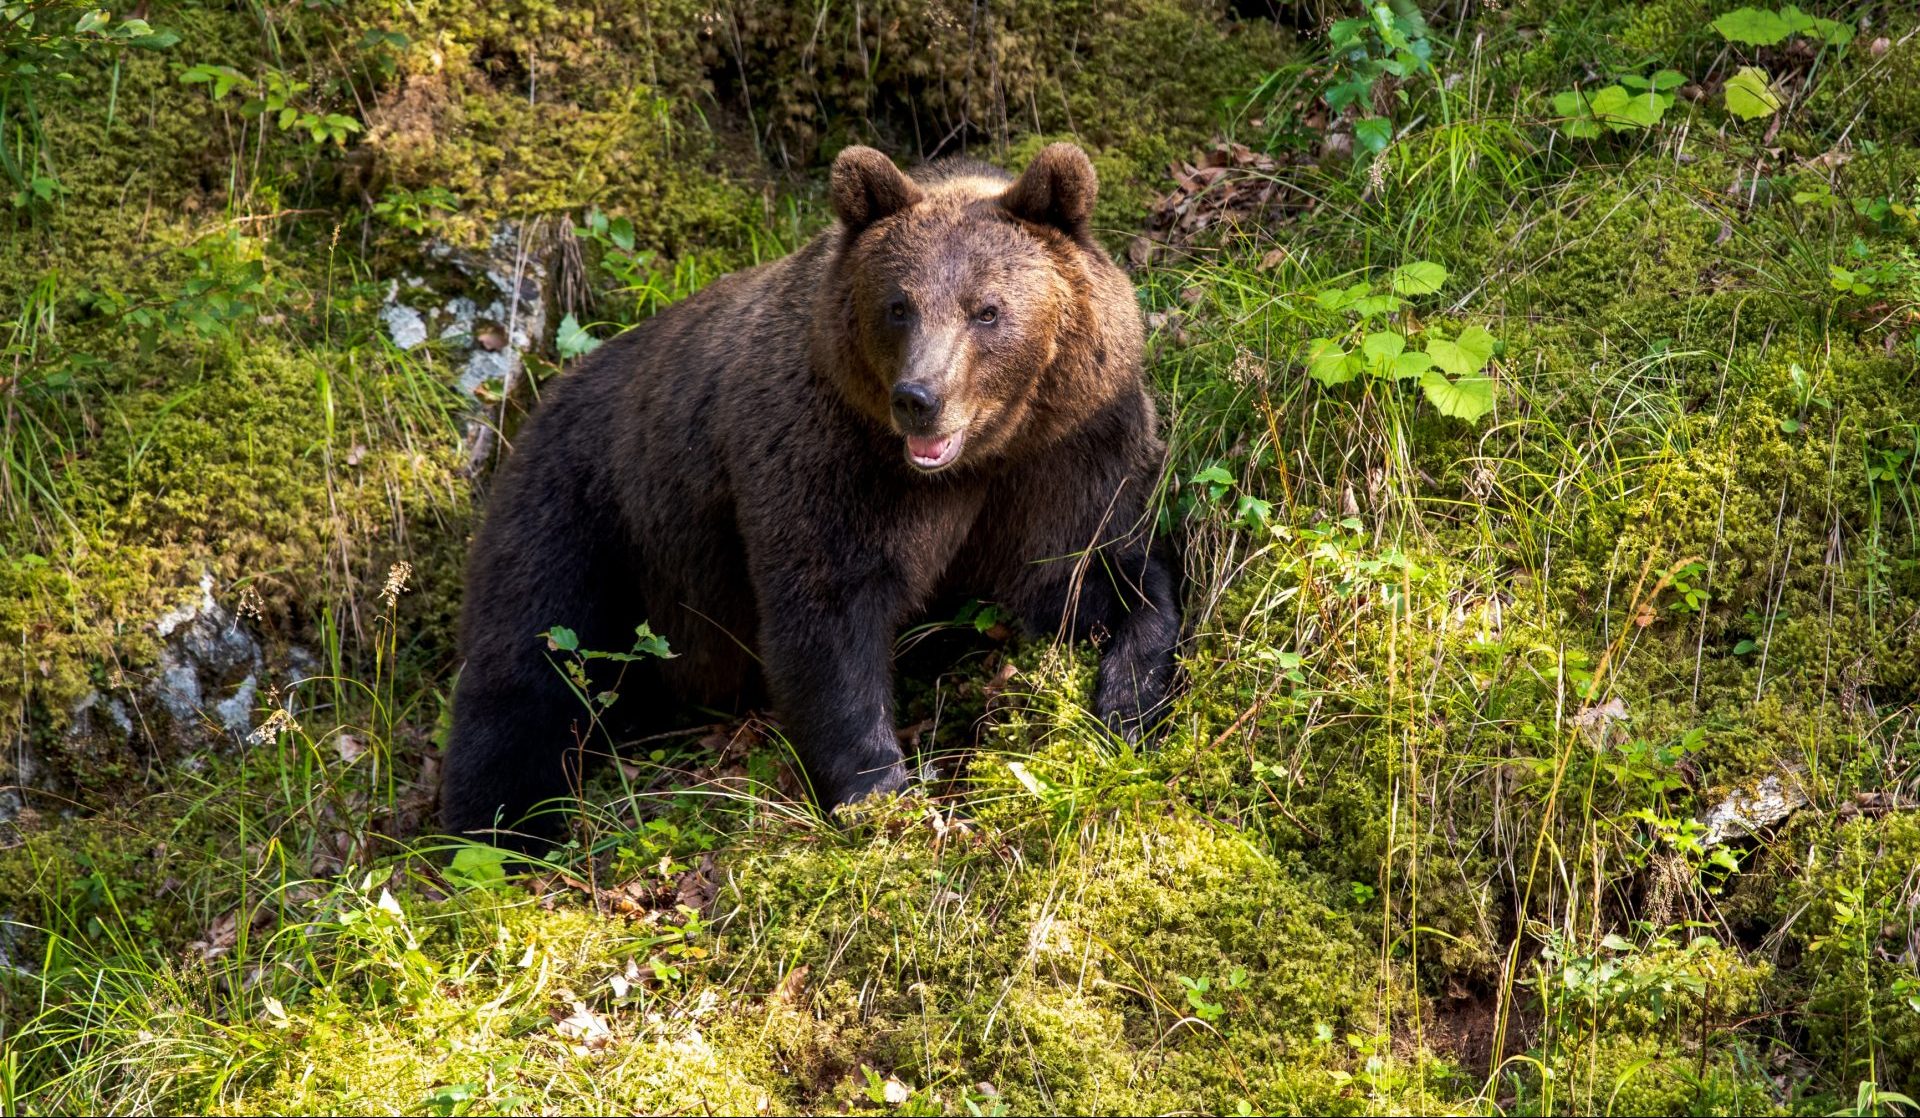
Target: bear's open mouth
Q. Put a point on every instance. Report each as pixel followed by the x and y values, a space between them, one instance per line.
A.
pixel 933 453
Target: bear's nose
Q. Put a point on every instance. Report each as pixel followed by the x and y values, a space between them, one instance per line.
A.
pixel 915 406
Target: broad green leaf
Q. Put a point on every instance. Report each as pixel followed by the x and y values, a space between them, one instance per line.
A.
pixel 1830 31
pixel 1465 355
pixel 1373 133
pixel 91 21
pixel 478 866
pixel 1833 32
pixel 1383 345
pixel 1346 93
pixel 1411 364
pixel 562 639
pixel 1608 102
pixel 1422 277
pixel 1214 477
pixel 1329 364
pixel 1753 26
pixel 1623 111
pixel 1380 350
pixel 1665 80
pixel 1375 305
pixel 1571 103
pixel 572 339
pixel 1338 298
pixel 1585 129
pixel 1796 20
pixel 649 643
pixel 1750 94
pixel 1468 398
pixel 154 40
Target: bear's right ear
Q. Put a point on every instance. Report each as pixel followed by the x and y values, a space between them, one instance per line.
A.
pixel 1056 189
pixel 867 187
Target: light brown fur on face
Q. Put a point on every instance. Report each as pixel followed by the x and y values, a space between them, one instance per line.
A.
pixel 913 284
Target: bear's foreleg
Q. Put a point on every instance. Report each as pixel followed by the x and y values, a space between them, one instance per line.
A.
pixel 546 557
pixel 1121 596
pixel 830 672
pixel 1143 620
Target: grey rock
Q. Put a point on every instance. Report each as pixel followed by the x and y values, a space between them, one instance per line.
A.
pixel 406 326
pixel 1749 809
pixel 206 654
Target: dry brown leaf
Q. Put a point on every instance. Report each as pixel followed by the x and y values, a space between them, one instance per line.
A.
pixel 793 985
pixel 219 937
pixel 583 1027
pixel 349 748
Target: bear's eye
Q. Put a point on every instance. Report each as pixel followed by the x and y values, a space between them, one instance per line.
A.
pixel 897 310
pixel 988 315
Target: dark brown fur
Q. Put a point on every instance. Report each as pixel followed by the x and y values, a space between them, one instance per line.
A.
pixel 734 471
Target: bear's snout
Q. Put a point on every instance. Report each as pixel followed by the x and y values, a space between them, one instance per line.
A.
pixel 916 407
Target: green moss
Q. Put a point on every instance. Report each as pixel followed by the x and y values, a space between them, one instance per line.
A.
pixel 1855 890
pixel 1141 81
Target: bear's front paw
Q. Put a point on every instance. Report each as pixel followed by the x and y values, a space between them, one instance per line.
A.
pixel 868 792
pixel 877 781
pixel 1134 713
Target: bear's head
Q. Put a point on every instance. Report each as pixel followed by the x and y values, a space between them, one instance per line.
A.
pixel 970 313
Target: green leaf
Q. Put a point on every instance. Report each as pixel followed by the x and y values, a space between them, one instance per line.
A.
pixel 1468 398
pixel 1383 345
pixel 1374 305
pixel 1829 31
pixel 1608 103
pixel 1339 298
pixel 1752 26
pixel 1346 93
pixel 1329 364
pixel 562 639
pixel 1411 364
pixel 1422 277
pixel 90 22
pixel 1625 112
pixel 1465 355
pixel 1373 133
pixel 646 642
pixel 1571 103
pixel 572 339
pixel 1381 350
pixel 1745 648
pixel 1665 80
pixel 154 40
pixel 477 866
pixel 1750 94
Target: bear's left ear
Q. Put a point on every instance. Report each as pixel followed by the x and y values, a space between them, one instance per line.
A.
pixel 866 187
pixel 1056 189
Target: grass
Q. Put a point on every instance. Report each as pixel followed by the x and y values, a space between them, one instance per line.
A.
pixel 1423 833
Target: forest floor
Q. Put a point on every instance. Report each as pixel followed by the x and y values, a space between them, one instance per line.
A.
pixel 1543 394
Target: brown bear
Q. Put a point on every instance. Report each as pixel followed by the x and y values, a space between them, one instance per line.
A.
pixel 940 395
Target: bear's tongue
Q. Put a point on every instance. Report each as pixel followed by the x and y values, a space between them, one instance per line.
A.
pixel 929 451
